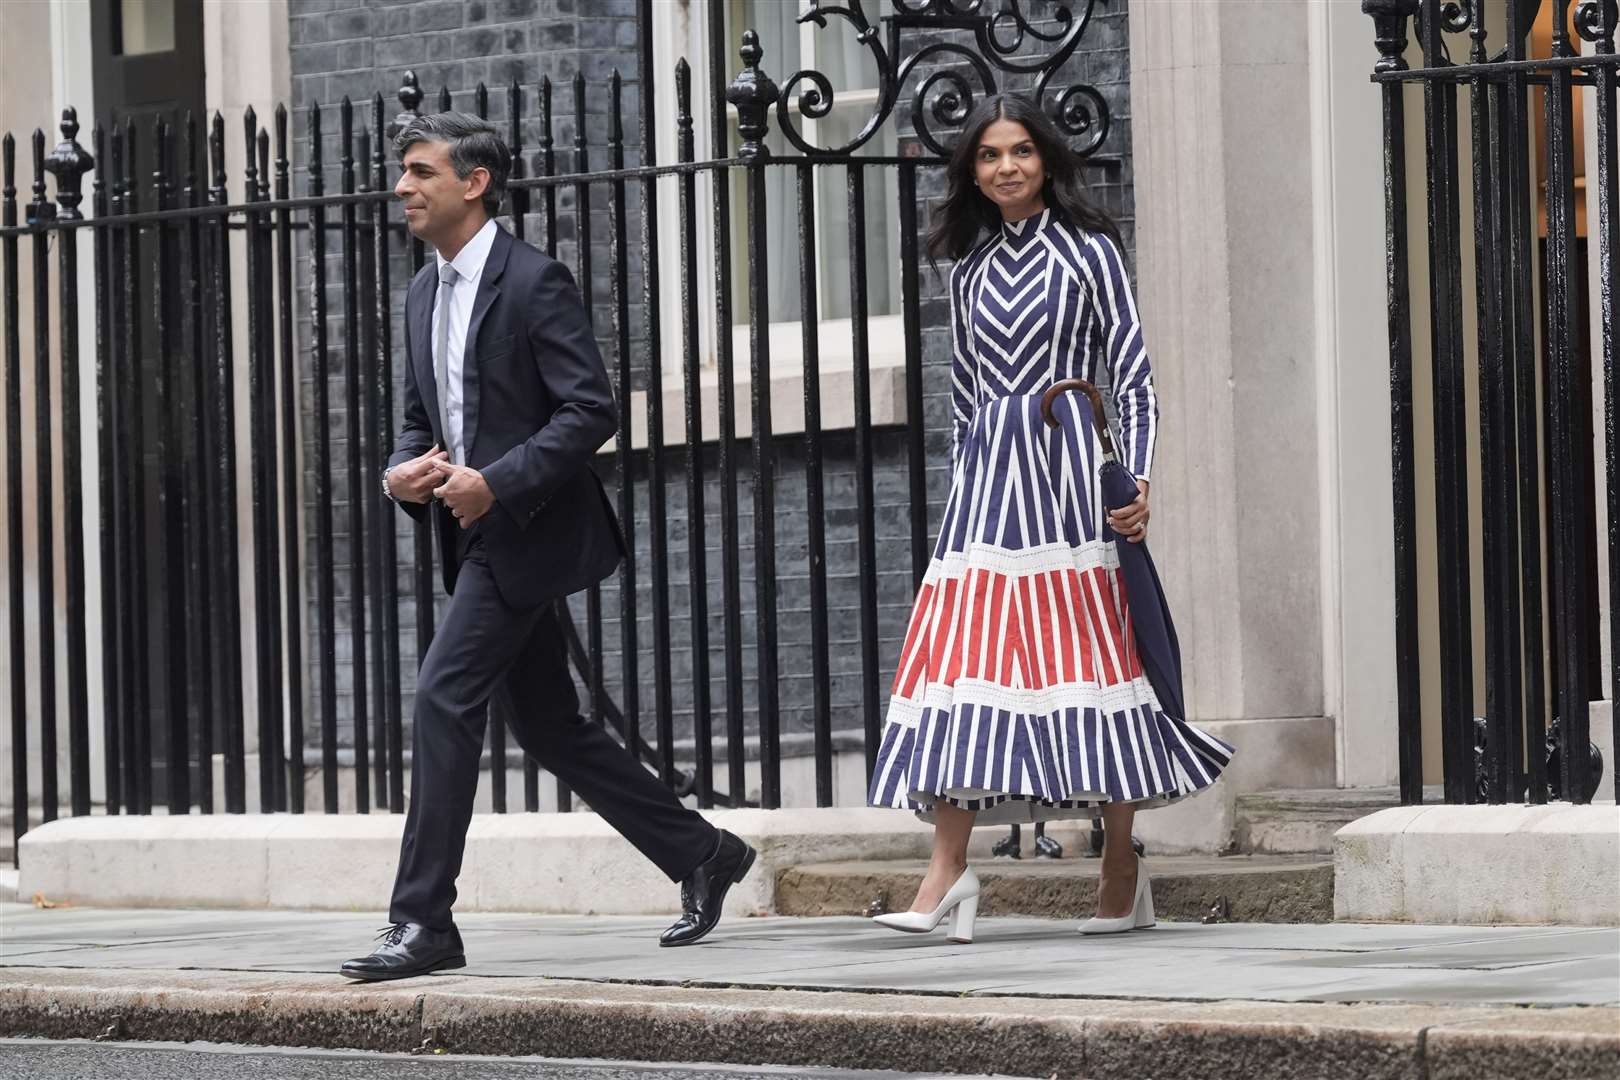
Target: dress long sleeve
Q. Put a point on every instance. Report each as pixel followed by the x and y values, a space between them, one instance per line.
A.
pixel 1124 352
pixel 964 377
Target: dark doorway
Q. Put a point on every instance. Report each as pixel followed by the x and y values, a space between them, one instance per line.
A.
pixel 148 62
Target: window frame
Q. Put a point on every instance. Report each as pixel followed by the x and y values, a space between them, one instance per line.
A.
pixel 683 23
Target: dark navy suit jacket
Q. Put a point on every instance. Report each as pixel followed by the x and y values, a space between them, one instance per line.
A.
pixel 537 405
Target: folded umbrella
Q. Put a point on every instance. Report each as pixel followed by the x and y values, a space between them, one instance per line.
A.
pixel 1155 633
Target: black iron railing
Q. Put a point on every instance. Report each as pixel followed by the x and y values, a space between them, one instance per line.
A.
pixel 319 306
pixel 1534 455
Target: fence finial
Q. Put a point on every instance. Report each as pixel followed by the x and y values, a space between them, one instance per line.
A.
pixel 68 163
pixel 1389 19
pixel 410 98
pixel 753 93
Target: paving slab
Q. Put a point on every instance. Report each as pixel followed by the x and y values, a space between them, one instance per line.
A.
pixel 1011 956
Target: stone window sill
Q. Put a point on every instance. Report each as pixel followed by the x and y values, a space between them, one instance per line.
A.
pixel 888 382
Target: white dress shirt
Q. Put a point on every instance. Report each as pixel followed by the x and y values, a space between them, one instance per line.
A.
pixel 469 264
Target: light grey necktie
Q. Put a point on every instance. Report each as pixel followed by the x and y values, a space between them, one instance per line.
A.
pixel 441 351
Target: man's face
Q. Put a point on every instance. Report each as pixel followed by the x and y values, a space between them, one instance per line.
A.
pixel 436 200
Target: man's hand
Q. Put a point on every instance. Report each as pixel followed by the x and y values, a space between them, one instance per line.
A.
pixel 1130 520
pixel 463 490
pixel 412 480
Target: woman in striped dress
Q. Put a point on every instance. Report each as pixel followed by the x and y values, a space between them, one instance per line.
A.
pixel 1019 696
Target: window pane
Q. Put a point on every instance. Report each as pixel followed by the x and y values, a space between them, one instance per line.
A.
pixel 781 236
pixel 778 27
pixel 847 63
pixel 146 26
pixel 882 219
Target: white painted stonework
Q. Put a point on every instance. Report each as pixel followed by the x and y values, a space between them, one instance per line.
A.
pixel 1557 864
pixel 541 863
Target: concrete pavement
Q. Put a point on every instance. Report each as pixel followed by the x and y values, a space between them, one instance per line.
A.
pixel 1029 997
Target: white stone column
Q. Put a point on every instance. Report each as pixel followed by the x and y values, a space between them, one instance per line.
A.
pixel 1221 105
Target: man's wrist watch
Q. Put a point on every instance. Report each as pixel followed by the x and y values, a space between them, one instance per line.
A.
pixel 386 490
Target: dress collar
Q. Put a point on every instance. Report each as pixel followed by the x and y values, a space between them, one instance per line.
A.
pixel 1021 231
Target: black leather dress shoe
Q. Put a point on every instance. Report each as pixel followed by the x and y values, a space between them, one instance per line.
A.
pixel 703 894
pixel 407 949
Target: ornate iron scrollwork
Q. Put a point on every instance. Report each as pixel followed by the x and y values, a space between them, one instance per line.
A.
pixel 1595 21
pixel 1009 39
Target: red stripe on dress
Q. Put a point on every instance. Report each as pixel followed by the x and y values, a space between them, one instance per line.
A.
pixel 1066 627
pixel 959 621
pixel 942 631
pixel 993 658
pixel 1111 610
pixel 1049 629
pixel 911 667
pixel 1082 625
pixel 1014 655
pixel 1099 627
pixel 978 611
pixel 1030 636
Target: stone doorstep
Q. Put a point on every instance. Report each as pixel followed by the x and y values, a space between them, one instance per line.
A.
pixel 1303 820
pixel 1554 864
pixel 1263 888
pixel 1097 1038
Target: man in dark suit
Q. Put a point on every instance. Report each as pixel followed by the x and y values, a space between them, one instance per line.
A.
pixel 506 401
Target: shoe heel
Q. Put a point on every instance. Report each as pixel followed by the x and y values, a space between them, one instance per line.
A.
pixel 962 921
pixel 1142 918
pixel 746 865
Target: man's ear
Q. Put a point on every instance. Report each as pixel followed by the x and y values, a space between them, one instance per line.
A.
pixel 477 184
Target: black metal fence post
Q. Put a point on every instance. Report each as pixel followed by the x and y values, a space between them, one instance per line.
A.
pixel 383 425
pixel 624 451
pixel 1390 17
pixel 356 546
pixel 725 404
pixel 17 677
pixel 291 484
pixel 106 569
pixel 40 212
pixel 197 511
pixel 320 376
pixel 1563 495
pixel 753 93
pixel 169 568
pixel 132 453
pixel 68 163
pixel 691 380
pixel 657 501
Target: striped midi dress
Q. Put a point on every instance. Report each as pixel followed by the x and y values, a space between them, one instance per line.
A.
pixel 1018 692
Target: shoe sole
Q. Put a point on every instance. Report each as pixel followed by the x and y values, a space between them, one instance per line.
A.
pixel 746 865
pixel 449 963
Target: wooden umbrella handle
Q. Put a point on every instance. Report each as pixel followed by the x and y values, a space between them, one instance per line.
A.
pixel 1097 413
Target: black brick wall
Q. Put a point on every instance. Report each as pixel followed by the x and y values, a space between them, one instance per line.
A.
pixel 357 48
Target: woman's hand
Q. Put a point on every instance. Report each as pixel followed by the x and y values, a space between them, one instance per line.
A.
pixel 1130 520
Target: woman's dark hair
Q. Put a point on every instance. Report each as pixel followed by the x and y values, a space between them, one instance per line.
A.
pixel 474 144
pixel 966 212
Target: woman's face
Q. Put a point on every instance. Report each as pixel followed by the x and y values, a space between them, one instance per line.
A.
pixel 1007 168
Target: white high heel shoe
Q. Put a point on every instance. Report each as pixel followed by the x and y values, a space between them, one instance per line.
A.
pixel 1141 916
pixel 961 898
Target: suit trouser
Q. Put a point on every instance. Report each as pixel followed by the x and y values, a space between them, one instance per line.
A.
pixel 485 648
